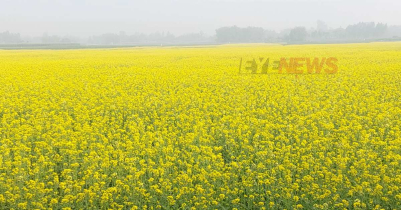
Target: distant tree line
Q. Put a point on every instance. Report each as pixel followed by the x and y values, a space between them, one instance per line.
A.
pixel 359 31
pixel 110 39
pixel 363 31
pixel 51 39
pixel 15 38
pixel 7 37
pixel 154 38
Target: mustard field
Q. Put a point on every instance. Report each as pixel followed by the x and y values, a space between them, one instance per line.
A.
pixel 182 128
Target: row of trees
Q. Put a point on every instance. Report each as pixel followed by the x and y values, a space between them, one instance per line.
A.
pixel 15 38
pixel 7 37
pixel 360 31
pixel 233 34
pixel 110 39
pixel 155 38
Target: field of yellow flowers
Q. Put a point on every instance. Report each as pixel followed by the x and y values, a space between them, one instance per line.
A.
pixel 180 128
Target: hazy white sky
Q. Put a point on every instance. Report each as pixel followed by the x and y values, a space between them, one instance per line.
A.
pixel 91 17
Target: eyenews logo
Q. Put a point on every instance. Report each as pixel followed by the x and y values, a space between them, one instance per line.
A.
pixel 293 65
